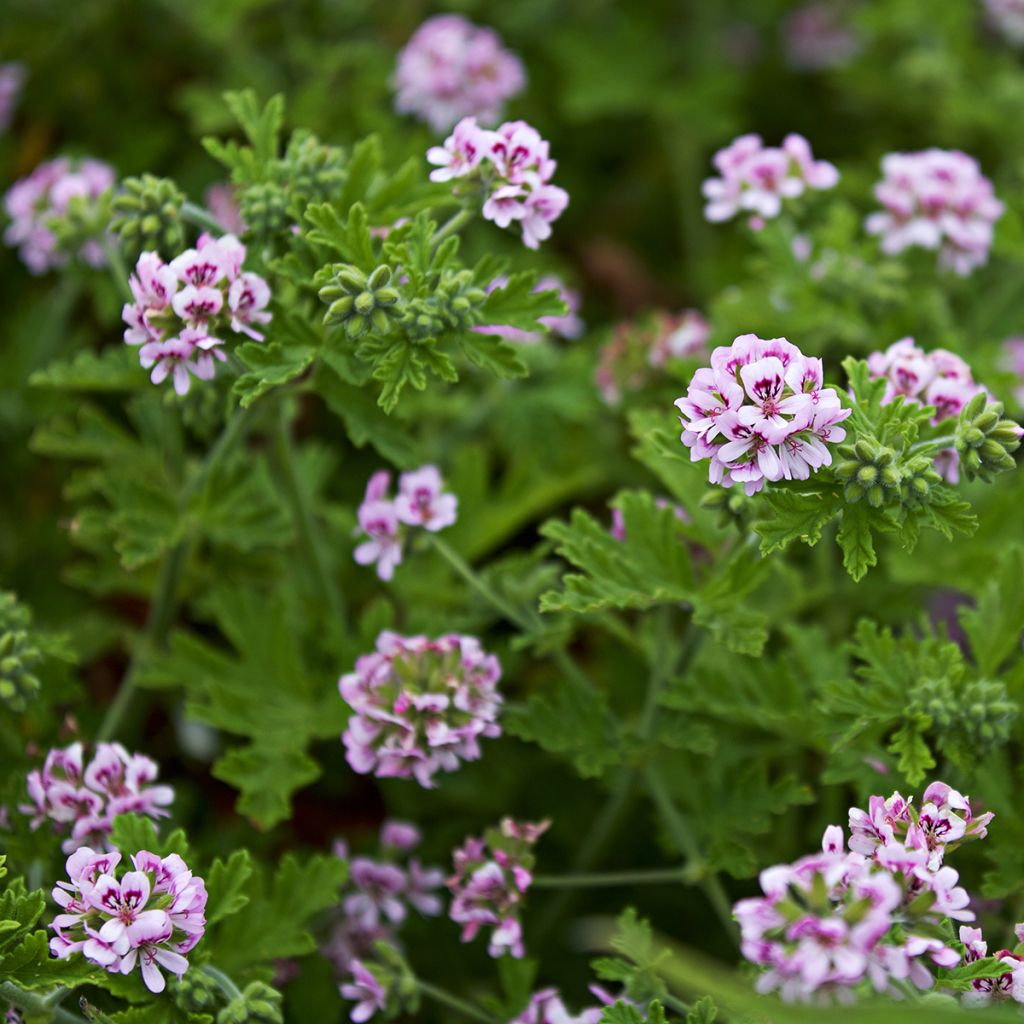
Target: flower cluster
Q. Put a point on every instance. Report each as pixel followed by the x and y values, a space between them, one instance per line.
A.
pixel 870 912
pixel 816 37
pixel 546 1007
pixel 490 880
pixel 39 204
pixel 380 893
pixel 936 199
pixel 84 798
pixel 760 412
pixel 756 178
pixel 366 990
pixel 420 706
pixel 938 378
pixel 637 348
pixel 1006 986
pixel 12 78
pixel 181 307
pixel 385 521
pixel 1007 17
pixel 451 69
pixel 152 916
pixel 568 325
pixel 513 170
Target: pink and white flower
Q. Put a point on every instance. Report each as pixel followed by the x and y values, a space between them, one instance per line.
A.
pixel 366 991
pixel 421 501
pixel 546 1007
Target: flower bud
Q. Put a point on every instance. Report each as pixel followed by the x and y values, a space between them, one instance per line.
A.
pixel 984 440
pixel 258 1004
pixel 147 215
pixel 195 992
pixel 359 301
pixel 265 209
pixel 19 655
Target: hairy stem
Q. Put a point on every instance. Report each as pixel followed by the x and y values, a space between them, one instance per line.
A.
pixel 454 223
pixel 35 1005
pixel 610 879
pixel 306 526
pixel 194 214
pixel 164 602
pixel 936 444
pixel 224 983
pixel 453 1002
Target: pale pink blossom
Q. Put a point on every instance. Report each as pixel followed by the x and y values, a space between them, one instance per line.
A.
pixel 421 500
pixel 365 991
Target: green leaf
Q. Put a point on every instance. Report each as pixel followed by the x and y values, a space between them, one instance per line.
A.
pixel 114 368
pixel 995 625
pixel 703 1011
pixel 790 516
pixel 854 537
pixel 347 235
pixel 516 304
pixel 134 832
pixel 621 1013
pixel 915 759
pixel 492 353
pixel 269 366
pixel 262 125
pixel 226 883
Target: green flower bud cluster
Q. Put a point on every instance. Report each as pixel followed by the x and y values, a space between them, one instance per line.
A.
pixel 919 477
pixel 870 470
pixel 265 209
pixel 451 306
pixel 19 655
pixel 147 216
pixel 985 440
pixel 312 170
pixel 975 716
pixel 361 302
pixel 258 1004
pixel 731 504
pixel 195 992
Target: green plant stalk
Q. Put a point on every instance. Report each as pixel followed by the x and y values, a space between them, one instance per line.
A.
pixel 117 266
pixel 306 526
pixel 164 602
pixel 36 1006
pixel 679 829
pixel 936 444
pixel 192 213
pixel 610 879
pixel 224 983
pixel 453 1002
pixel 453 224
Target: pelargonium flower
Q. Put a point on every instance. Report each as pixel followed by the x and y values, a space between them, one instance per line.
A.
pixel 152 916
pixel 379 893
pixel 384 522
pixel 36 205
pixel 985 990
pixel 761 412
pixel 512 169
pixel 937 378
pixel 816 37
pixel 568 325
pixel 639 350
pixel 12 78
pixel 420 706
pixel 936 199
pixel 491 878
pixel 451 69
pixel 757 179
pixel 546 1007
pixel 184 310
pixel 1007 17
pixel 83 799
pixel 366 990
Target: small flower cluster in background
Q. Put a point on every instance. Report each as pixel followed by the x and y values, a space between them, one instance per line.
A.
pixel 1007 17
pixel 870 912
pixel 420 706
pixel 182 307
pixel 489 883
pixel 54 213
pixel 761 412
pixel 638 347
pixel 451 69
pixel 385 521
pixel 546 1007
pixel 513 167
pixel 83 799
pixel 817 38
pixel 12 78
pixel 756 179
pixel 379 895
pixel 937 378
pixel 569 325
pixel 152 916
pixel 936 199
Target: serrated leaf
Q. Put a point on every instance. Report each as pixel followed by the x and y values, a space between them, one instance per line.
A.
pixel 915 759
pixel 492 353
pixel 995 625
pixel 516 304
pixel 270 366
pixel 226 883
pixel 114 368
pixel 621 1013
pixel 792 516
pixel 134 832
pixel 854 537
pixel 345 230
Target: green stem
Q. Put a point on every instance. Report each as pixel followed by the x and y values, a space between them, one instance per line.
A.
pixel 453 1002
pixel 305 523
pixel 35 1005
pixel 224 983
pixel 678 827
pixel 164 603
pixel 935 444
pixel 452 224
pixel 610 879
pixel 674 1003
pixel 194 214
pixel 118 269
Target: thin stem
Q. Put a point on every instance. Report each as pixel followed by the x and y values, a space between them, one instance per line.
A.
pixel 679 828
pixel 164 603
pixel 674 1003
pixel 935 444
pixel 452 224
pixel 194 214
pixel 35 1005
pixel 118 269
pixel 453 1002
pixel 305 523
pixel 224 983
pixel 610 879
